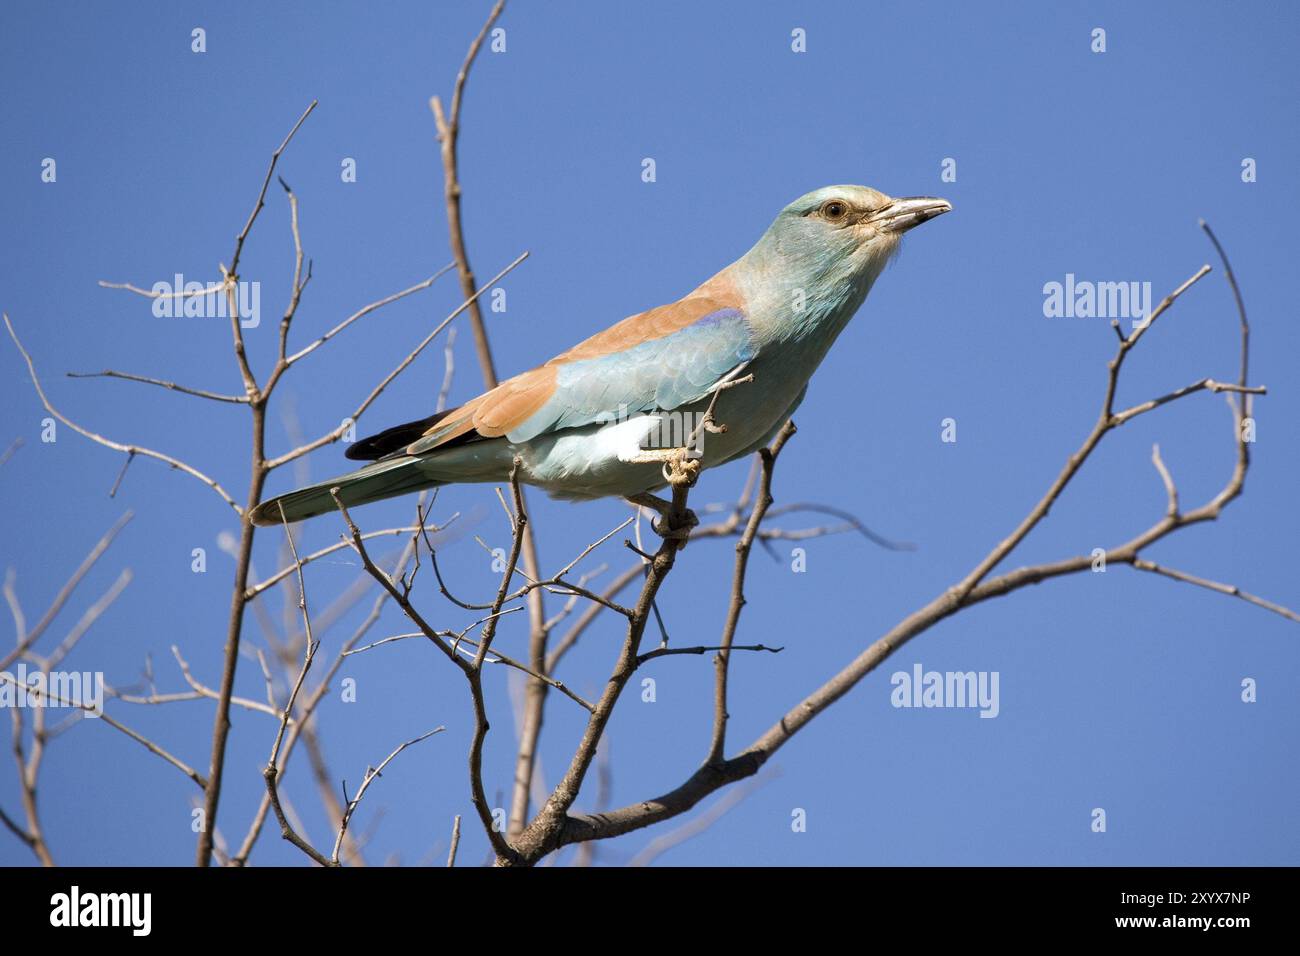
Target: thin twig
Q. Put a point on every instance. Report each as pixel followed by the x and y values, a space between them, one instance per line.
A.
pixel 26 639
pixel 337 433
pixel 108 442
pixel 370 777
pixel 366 310
pixel 1229 589
pixel 455 842
pixel 722 662
pixel 170 386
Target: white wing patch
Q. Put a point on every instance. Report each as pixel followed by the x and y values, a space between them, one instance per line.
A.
pixel 622 439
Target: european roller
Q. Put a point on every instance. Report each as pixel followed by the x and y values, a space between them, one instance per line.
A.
pixel 580 424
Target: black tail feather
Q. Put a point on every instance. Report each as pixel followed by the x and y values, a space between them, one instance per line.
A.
pixel 393 439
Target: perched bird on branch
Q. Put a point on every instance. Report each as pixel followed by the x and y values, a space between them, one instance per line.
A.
pixel 720 370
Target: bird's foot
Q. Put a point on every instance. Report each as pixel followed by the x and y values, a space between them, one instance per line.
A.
pixel 671 523
pixel 680 466
pixel 677 526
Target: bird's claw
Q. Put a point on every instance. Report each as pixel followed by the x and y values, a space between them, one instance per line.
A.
pixel 676 527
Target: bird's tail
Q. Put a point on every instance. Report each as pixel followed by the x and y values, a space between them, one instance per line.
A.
pixel 383 479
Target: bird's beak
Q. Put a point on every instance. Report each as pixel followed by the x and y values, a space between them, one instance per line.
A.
pixel 902 214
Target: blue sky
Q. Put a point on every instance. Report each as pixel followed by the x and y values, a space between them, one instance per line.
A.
pixel 1117 690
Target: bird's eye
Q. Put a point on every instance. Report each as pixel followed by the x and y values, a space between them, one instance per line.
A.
pixel 835 209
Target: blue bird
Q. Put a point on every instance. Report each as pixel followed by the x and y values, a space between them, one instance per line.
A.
pixel 585 424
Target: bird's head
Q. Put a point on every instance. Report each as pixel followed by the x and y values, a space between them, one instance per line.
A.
pixel 854 226
pixel 827 248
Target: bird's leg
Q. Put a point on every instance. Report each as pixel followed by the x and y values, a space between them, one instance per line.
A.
pixel 644 499
pixel 681 469
pixel 670 524
pixel 676 521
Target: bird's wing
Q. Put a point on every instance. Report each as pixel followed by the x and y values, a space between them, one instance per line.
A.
pixel 660 359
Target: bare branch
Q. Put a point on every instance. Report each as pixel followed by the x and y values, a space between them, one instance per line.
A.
pixel 1171 490
pixel 1105 422
pixel 448 370
pixel 615 587
pixel 693 828
pixel 28 639
pixel 308 709
pixel 202 690
pixel 448 134
pixel 88 619
pixel 212 289
pixel 1205 384
pixel 171 386
pixel 370 777
pixel 703 649
pixel 722 661
pixel 13 447
pixel 455 842
pixel 109 443
pixel 256 589
pixel 1242 377
pixel 272 770
pixel 366 310
pixel 261 196
pixel 139 738
pixel 333 436
pixel 1229 589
